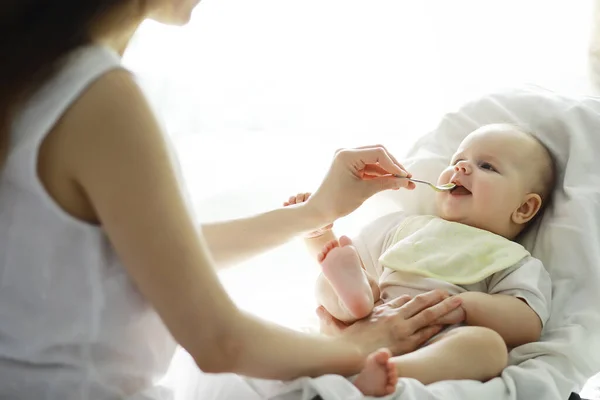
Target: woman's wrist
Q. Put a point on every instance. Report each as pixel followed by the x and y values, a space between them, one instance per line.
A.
pixel 357 356
pixel 339 357
pixel 312 217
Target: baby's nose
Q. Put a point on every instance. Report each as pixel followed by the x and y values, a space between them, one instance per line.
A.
pixel 463 167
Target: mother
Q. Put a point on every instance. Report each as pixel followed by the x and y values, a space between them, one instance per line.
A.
pixel 101 265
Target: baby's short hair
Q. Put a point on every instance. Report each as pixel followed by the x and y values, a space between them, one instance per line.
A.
pixel 544 179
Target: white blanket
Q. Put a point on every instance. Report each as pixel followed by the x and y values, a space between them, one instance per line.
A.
pixel 567 241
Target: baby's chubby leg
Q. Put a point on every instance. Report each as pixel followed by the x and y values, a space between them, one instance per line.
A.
pixel 468 352
pixel 344 288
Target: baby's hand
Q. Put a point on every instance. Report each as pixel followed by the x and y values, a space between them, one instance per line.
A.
pixel 301 198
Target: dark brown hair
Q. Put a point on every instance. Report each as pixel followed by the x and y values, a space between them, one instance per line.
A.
pixel 35 35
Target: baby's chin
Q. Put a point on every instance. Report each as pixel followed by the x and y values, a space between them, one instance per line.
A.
pixel 468 220
pixel 453 216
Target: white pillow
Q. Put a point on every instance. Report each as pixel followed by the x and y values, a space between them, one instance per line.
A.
pixel 567 239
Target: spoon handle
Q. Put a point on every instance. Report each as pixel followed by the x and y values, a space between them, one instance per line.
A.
pixel 411 179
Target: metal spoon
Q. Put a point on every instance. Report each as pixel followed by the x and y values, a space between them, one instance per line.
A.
pixel 438 188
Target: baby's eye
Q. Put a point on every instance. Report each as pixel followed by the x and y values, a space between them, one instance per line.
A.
pixel 456 161
pixel 487 166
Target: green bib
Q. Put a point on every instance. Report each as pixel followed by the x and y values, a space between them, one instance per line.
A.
pixel 453 252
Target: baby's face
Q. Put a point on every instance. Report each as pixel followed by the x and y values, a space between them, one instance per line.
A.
pixel 490 171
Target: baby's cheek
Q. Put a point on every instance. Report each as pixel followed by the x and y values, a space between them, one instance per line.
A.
pixel 493 198
pixel 485 194
pixel 444 176
pixel 439 200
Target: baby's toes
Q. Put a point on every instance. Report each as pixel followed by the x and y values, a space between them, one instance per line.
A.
pixel 321 256
pixel 392 374
pixel 330 246
pixel 392 379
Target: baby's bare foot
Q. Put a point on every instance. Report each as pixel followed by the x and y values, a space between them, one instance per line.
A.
pixel 332 244
pixel 378 377
pixel 342 267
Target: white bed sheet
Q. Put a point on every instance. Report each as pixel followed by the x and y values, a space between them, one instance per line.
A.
pixel 567 241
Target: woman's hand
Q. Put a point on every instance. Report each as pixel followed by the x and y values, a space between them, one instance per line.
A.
pixel 402 325
pixel 354 176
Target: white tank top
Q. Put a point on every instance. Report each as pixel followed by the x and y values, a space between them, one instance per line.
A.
pixel 72 324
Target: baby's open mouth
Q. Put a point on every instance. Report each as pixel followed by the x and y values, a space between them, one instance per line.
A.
pixel 460 191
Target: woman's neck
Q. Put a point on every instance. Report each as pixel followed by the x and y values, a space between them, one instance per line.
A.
pixel 115 31
pixel 118 43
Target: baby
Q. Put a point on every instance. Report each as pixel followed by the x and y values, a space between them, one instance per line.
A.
pixel 503 177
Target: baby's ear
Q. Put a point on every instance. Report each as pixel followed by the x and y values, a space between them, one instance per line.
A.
pixel 528 209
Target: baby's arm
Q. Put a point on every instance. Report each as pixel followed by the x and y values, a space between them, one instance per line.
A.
pixel 510 316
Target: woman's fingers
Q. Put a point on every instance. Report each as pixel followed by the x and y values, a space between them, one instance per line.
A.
pixel 426 310
pixel 328 324
pixel 455 316
pixel 394 160
pixel 373 171
pixel 345 187
pixel 360 158
pixel 375 164
pixel 423 301
pixel 423 335
pixel 399 301
pixel 386 161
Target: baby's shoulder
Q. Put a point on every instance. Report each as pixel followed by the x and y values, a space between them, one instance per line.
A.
pixel 528 262
pixel 527 267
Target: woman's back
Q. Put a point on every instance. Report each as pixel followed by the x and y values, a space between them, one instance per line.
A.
pixel 72 324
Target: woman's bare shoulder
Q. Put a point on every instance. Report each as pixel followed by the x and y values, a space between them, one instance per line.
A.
pixel 108 112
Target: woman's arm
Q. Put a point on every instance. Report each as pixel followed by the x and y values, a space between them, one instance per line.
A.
pixel 116 156
pixel 510 316
pixel 234 241
pixel 121 163
pixel 354 176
